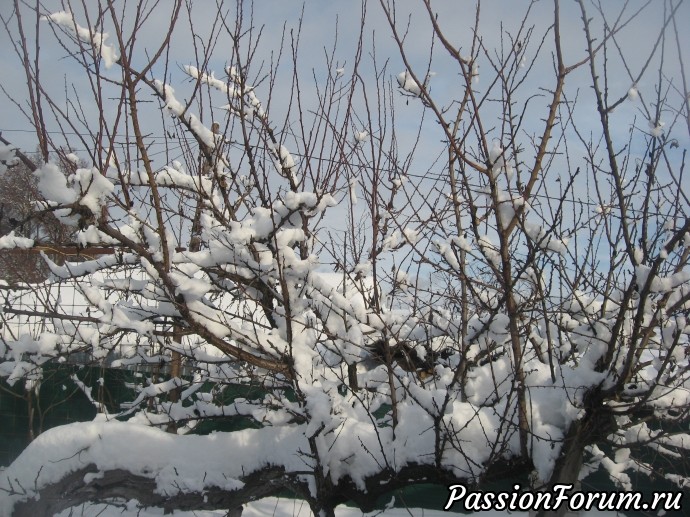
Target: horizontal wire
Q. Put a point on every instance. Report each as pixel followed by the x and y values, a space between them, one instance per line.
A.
pixel 432 176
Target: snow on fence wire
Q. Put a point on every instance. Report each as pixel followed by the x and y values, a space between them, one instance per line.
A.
pixel 57 323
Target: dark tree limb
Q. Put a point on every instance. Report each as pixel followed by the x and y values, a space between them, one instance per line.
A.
pixel 121 485
pixel 72 490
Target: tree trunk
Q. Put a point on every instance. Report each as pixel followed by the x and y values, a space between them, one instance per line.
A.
pixel 597 423
pixel 567 468
pixel 322 510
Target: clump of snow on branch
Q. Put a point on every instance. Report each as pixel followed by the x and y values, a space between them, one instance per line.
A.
pixel 496 155
pixel 229 89
pixel 498 162
pixel 53 184
pixel 93 188
pixel 285 162
pixel 353 184
pixel 545 239
pixel 7 157
pixel 659 284
pixel 410 86
pixel 177 109
pixel 407 83
pixel 508 206
pixel 656 128
pixel 87 187
pixel 361 136
pixel 91 37
pixel 233 90
pixel 191 463
pixel 12 241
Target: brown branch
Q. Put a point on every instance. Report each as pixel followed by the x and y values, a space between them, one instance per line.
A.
pixel 24 158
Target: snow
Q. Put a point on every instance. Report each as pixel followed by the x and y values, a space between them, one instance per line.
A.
pixel 7 157
pixel 361 136
pixel 475 73
pixel 656 128
pixel 508 206
pixel 177 109
pixel 349 441
pixel 496 154
pixel 173 177
pixel 12 241
pixel 87 187
pixel 92 235
pixel 210 79
pixel 53 185
pixel 269 282
pixel 353 183
pixel 544 239
pixel 363 268
pixel 411 235
pixel 94 188
pixel 392 241
pixel 489 250
pixel 179 464
pixel 409 85
pixel 232 90
pixel 446 251
pixel 92 37
pixel 285 161
pixel 184 463
pixel 660 284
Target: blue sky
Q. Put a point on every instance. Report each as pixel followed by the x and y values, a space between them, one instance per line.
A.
pixel 325 24
pixel 318 33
